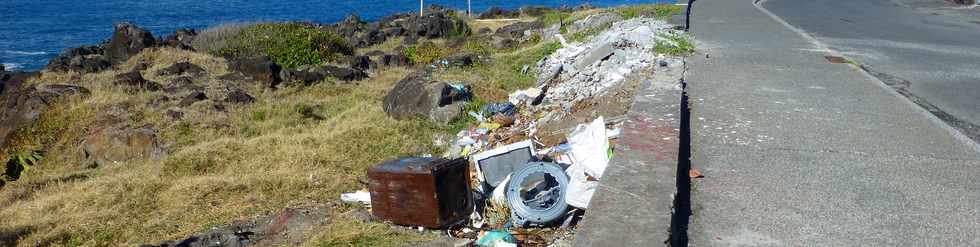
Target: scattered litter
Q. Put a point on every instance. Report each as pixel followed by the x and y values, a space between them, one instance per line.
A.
pixel 360 196
pixel 495 238
pixel 495 165
pixel 695 173
pixel 589 146
pixel 500 108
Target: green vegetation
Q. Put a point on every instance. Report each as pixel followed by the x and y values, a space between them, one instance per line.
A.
pixel 661 11
pixel 554 17
pixel 589 33
pixel 20 164
pixel 425 53
pixel 298 146
pixel 289 44
pixel 675 45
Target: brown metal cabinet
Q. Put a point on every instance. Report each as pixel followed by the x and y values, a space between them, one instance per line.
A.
pixel 430 192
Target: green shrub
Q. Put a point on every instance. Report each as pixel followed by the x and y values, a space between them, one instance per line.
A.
pixel 288 44
pixel 425 53
pixel 550 48
pixel 20 163
pixel 477 47
pixel 678 44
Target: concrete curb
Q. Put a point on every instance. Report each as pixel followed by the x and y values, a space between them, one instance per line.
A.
pixel 634 203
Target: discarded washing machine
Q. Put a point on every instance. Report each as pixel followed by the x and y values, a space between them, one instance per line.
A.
pixel 536 194
pixel 429 192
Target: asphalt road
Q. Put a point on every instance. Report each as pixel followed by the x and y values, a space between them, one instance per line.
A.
pixel 930 46
pixel 797 151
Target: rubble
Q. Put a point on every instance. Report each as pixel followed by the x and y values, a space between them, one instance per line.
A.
pixel 542 154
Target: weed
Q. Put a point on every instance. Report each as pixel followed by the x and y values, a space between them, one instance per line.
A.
pixel 20 164
pixel 677 44
pixel 425 53
pixel 661 11
pixel 589 33
pixel 554 17
pixel 258 115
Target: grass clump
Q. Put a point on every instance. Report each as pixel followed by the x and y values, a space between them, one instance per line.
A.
pixel 288 44
pixel 676 44
pixel 425 53
pixel 661 11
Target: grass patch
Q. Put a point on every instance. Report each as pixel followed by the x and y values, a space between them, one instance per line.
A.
pixel 677 44
pixel 589 33
pixel 289 44
pixel 425 53
pixel 661 11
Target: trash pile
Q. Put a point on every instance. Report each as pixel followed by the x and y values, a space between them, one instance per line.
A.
pixel 499 184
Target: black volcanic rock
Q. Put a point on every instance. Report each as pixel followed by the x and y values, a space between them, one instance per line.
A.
pixel 181 39
pixel 127 41
pixel 135 80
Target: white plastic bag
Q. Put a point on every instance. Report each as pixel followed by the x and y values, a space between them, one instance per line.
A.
pixel 580 189
pixel 590 147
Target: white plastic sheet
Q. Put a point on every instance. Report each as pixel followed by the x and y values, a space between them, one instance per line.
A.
pixel 589 152
pixel 357 196
pixel 590 147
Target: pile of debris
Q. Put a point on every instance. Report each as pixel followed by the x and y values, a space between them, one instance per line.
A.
pixel 499 184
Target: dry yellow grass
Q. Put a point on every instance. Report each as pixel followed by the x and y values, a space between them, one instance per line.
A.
pixel 250 161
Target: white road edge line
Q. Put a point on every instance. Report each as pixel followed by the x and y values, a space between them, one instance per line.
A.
pixel 935 120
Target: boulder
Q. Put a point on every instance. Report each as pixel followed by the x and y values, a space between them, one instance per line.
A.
pixel 361 62
pixel 392 31
pixel 373 37
pixel 350 26
pixel 396 60
pixel 238 96
pixel 120 144
pixel 375 53
pixel 438 23
pixel 181 84
pixel 459 60
pixel 21 105
pixel 181 68
pixel 180 39
pixel 135 80
pixel 84 59
pixel 418 95
pixel 497 12
pixel 259 68
pixel 520 31
pixel 303 74
pixel 533 10
pixel 127 41
pixel 192 98
pixel 343 74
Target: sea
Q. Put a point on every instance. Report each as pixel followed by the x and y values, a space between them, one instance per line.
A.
pixel 34 31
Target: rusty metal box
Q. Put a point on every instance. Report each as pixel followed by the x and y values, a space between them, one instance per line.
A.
pixel 428 192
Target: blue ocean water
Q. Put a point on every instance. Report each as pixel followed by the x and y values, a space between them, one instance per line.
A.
pixel 34 31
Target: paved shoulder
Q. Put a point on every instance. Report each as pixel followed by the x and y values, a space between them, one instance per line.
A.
pixel 798 151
